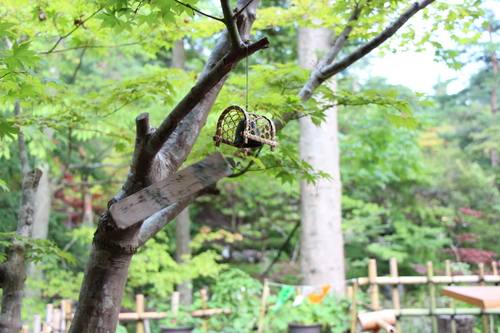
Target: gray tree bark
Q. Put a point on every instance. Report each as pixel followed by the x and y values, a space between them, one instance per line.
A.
pixel 321 242
pixel 43 206
pixel 12 271
pixel 183 238
pixel 179 55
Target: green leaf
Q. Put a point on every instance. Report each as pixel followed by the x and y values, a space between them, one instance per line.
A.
pixel 3 185
pixel 257 161
pixel 4 29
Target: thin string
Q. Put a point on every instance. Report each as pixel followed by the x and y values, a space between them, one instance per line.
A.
pixel 246 88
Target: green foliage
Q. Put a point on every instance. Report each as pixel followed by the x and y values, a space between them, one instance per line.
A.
pixel 237 291
pixel 331 312
pixel 155 272
pixel 36 250
pixel 182 318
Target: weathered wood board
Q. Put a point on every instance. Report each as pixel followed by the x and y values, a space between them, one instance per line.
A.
pixel 168 191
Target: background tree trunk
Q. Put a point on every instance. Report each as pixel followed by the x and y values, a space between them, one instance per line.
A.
pixel 179 55
pixel 322 248
pixel 12 271
pixel 183 238
pixel 43 206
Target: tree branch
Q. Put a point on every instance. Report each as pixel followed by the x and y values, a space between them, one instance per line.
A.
pixel 199 12
pixel 71 31
pixel 321 74
pixel 77 68
pixel 157 221
pixel 341 38
pixel 363 50
pixel 238 13
pixel 230 23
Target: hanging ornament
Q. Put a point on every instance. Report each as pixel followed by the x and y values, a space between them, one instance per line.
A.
pixel 242 129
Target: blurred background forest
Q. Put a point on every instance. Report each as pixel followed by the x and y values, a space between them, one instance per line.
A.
pixel 418 192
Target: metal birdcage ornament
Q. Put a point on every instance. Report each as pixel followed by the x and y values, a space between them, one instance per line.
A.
pixel 245 130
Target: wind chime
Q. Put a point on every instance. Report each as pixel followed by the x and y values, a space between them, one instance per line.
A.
pixel 245 130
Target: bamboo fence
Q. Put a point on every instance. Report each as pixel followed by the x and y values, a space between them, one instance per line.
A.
pixel 58 319
pixel 373 281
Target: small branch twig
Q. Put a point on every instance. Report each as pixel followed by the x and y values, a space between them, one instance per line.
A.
pixel 69 33
pixel 285 244
pixel 75 72
pixel 199 12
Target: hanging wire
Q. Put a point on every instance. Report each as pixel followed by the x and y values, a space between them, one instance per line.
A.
pixel 246 88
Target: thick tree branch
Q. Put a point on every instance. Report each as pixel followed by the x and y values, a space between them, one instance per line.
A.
pixel 341 39
pixel 156 222
pixel 238 13
pixel 330 70
pixel 199 90
pixel 321 74
pixel 230 23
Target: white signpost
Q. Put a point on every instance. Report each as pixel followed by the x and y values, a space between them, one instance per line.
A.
pixel 168 191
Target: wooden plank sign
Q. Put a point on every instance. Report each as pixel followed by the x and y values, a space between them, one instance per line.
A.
pixel 168 191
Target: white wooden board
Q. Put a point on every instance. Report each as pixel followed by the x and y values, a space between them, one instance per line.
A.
pixel 164 193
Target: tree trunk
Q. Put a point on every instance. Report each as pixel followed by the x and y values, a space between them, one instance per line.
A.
pixel 12 271
pixel 183 238
pixel 322 248
pixel 178 55
pixel 158 152
pixel 43 206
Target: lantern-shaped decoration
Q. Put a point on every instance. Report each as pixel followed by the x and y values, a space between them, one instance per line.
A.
pixel 239 128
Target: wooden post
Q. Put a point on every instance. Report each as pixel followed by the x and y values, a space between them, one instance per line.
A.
pixel 495 272
pixel 63 315
pixel 453 323
pixel 48 317
pixel 265 291
pixel 37 323
pixel 354 310
pixel 67 313
pixel 203 295
pixel 174 306
pixel 432 295
pixel 56 322
pixel 372 276
pixel 139 307
pixel 393 264
pixel 481 283
pixel 24 329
